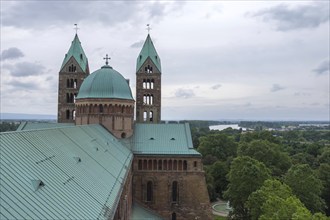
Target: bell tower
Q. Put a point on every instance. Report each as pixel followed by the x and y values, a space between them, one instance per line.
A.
pixel 73 71
pixel 148 84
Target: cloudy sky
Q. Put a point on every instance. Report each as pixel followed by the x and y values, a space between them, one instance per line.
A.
pixel 249 60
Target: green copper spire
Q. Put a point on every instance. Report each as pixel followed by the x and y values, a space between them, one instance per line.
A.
pixel 148 50
pixel 77 52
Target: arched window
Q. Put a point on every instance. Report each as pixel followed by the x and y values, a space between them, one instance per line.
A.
pixel 160 164
pixel 165 165
pixel 149 164
pixel 145 164
pixel 149 191
pixel 73 114
pixel 170 165
pixel 101 108
pixel 180 165
pixel 185 165
pixel 148 84
pixel 173 216
pixel 155 164
pixel 175 165
pixel 68 98
pixel 175 191
pixel 140 165
pixel 68 83
pixel 68 114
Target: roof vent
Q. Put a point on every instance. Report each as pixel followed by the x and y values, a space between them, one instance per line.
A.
pixel 151 138
pixel 77 159
pixel 37 184
pixel 172 139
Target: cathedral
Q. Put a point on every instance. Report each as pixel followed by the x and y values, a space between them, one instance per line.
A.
pixel 97 161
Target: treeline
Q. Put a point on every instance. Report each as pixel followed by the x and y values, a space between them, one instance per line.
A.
pixel 261 125
pixel 8 126
pixel 268 174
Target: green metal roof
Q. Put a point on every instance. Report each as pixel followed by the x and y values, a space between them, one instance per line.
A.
pixel 77 52
pixel 73 172
pixel 148 51
pixel 141 213
pixel 163 139
pixel 105 83
pixel 40 125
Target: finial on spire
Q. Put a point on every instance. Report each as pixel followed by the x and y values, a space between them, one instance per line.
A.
pixel 106 58
pixel 148 28
pixel 76 27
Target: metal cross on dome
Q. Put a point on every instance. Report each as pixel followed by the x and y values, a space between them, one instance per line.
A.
pixel 106 58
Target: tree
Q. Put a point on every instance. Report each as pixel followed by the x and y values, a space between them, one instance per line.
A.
pixel 269 189
pixel 219 170
pixel 245 176
pixel 288 208
pixel 268 153
pixel 220 145
pixel 306 186
pixel 324 175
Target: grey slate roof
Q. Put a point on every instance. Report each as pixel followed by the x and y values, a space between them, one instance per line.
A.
pixel 73 172
pixel 163 139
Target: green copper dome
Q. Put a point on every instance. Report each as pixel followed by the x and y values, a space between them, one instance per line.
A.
pixel 105 83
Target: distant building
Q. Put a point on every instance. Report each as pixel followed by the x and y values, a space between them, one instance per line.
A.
pixel 96 163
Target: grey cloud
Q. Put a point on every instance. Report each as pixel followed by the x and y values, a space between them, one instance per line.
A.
pixel 215 87
pixel 323 67
pixel 138 44
pixel 11 53
pixel 41 14
pixel 276 87
pixel 23 69
pixel 18 84
pixel 184 93
pixel 290 18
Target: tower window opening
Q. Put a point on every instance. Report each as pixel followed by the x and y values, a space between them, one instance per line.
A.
pixel 151 116
pixel 72 68
pixel 144 116
pixel 151 97
pixel 73 114
pixel 75 83
pixel 144 84
pixel 195 163
pixel 148 69
pixel 152 84
pixel 148 84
